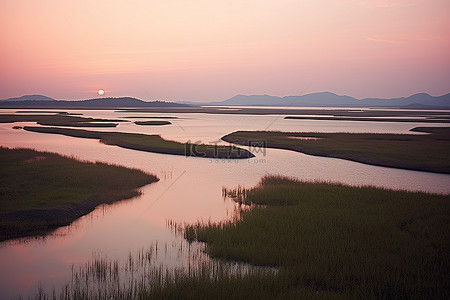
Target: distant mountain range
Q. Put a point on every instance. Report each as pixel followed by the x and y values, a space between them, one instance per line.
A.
pixel 40 101
pixel 327 99
pixel 324 99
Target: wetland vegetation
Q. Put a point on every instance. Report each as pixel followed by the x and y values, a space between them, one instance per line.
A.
pixel 152 123
pixel 445 119
pixel 350 242
pixel 41 191
pixel 319 240
pixel 59 119
pixel 151 117
pixel 141 277
pixel 150 143
pixel 423 152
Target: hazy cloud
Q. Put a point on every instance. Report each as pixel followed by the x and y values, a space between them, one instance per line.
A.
pixel 402 40
pixel 387 3
pixel 384 40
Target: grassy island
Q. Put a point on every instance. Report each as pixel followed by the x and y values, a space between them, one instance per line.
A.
pixel 40 191
pixel 150 117
pixel 59 119
pixel 152 123
pixel 372 119
pixel 424 152
pixel 150 143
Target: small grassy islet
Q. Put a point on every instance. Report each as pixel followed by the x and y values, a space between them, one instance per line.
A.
pixel 59 119
pixel 422 152
pixel 152 123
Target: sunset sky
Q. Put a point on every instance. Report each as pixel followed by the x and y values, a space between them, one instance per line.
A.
pixel 203 50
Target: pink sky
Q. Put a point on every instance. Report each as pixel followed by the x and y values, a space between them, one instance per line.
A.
pixel 203 50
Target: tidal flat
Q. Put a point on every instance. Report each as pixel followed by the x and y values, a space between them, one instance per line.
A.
pixel 41 191
pixel 422 152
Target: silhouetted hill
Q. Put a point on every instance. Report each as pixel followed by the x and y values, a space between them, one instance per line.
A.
pixel 327 99
pixel 250 100
pixel 321 99
pixel 121 102
pixel 30 98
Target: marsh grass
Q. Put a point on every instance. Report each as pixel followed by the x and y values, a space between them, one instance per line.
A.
pixel 151 117
pixel 311 240
pixel 361 242
pixel 150 143
pixel 435 119
pixel 59 119
pixel 423 152
pixel 143 276
pixel 152 123
pixel 40 191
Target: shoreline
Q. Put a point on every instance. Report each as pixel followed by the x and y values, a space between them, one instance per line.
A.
pixel 42 191
pixel 53 217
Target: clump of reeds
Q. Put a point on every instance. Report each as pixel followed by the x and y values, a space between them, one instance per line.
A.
pixel 143 276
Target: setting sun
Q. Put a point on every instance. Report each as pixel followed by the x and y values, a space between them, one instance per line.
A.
pixel 100 92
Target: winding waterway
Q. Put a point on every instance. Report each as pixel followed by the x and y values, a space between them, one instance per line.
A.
pixel 189 189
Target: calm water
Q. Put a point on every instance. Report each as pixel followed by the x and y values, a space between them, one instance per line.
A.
pixel 190 189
